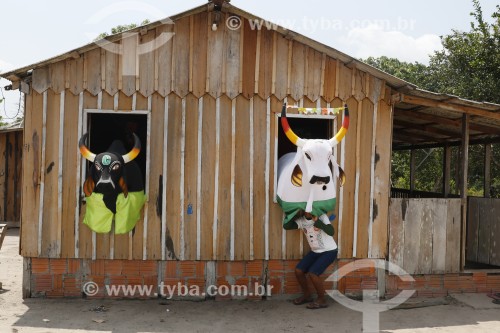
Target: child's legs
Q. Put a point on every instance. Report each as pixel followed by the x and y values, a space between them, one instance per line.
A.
pixel 302 268
pixel 324 260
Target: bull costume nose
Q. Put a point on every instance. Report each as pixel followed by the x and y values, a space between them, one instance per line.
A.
pixel 319 180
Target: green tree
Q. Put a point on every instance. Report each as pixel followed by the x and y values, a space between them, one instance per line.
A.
pixel 468 66
pixel 121 28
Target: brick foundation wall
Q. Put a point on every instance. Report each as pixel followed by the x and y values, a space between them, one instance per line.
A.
pixel 67 277
pixel 437 285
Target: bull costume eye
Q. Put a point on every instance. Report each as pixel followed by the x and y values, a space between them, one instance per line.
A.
pixel 98 166
pixel 115 167
pixel 308 157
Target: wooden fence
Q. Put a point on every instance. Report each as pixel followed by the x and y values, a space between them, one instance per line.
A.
pixel 483 231
pixel 424 235
pixel 11 143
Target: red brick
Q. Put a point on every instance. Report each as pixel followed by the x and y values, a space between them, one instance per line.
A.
pixel 254 268
pixel 341 285
pixel 291 264
pixel 97 267
pixel 200 269
pixel 277 284
pixel 403 285
pixel 73 266
pixel 171 269
pixel 292 288
pixel 275 265
pixel 55 294
pixel 98 279
pixel 57 282
pixel 151 280
pixel 237 268
pixel 43 282
pixel 58 266
pixel 135 280
pixel 243 281
pixel 117 280
pixel 425 293
pixel 131 267
pixel 39 265
pixel 187 269
pixel 113 267
pixel 391 282
pixel 72 287
pixel 353 281
pixel 171 282
pixel 148 267
pixel 196 282
pixel 369 283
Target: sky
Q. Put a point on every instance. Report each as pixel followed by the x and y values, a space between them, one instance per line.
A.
pixel 33 30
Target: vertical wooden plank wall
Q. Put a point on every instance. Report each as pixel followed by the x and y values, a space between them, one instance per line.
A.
pixel 213 97
pixel 425 235
pixel 11 145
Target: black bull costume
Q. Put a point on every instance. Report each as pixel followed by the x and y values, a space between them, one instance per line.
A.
pixel 114 188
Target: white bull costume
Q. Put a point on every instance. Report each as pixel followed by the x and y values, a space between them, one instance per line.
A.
pixel 307 178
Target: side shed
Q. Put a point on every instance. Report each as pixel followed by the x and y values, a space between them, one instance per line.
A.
pixel 11 143
pixel 205 103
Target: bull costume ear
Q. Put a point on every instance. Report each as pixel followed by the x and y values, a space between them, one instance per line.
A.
pixel 123 186
pixel 88 186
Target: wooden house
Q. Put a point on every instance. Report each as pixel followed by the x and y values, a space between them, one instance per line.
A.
pixel 204 96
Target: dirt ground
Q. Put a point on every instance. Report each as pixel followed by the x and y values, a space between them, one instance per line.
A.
pixel 465 313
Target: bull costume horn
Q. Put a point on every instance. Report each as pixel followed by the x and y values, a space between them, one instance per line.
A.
pixel 135 151
pixel 343 130
pixel 288 131
pixel 300 142
pixel 84 150
pixel 126 158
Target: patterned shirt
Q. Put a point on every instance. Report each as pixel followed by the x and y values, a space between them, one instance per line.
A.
pixel 319 241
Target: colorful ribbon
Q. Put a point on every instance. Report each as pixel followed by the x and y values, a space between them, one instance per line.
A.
pixel 319 111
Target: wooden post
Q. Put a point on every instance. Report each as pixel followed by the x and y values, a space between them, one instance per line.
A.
pixel 412 171
pixel 463 182
pixel 26 278
pixel 487 170
pixel 446 171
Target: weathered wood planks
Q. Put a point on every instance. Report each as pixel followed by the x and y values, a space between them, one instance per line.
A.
pixel 425 235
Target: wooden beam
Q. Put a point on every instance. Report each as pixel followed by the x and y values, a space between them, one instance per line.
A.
pixel 487 170
pixel 445 121
pixel 463 182
pixel 426 128
pixel 412 170
pixel 470 110
pixel 453 143
pixel 446 171
pixel 418 135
